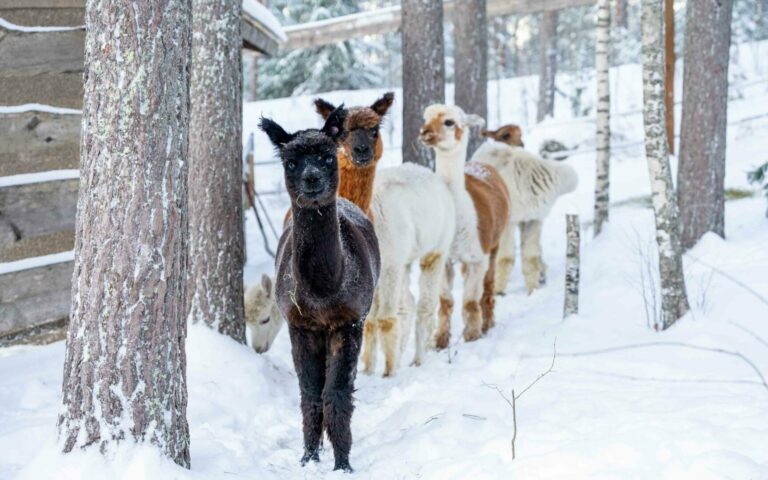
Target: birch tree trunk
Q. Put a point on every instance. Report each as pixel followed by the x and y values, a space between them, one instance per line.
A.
pixel 572 261
pixel 216 252
pixel 701 173
pixel 423 72
pixel 674 301
pixel 547 66
pixel 124 366
pixel 669 68
pixel 603 120
pixel 470 52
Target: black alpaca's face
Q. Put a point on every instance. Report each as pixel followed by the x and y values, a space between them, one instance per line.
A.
pixel 311 173
pixel 309 159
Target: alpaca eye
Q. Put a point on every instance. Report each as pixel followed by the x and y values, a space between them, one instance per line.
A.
pixel 505 136
pixel 449 123
pixel 375 131
pixel 265 321
pixel 291 165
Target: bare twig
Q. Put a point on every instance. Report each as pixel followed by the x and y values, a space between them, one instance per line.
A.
pixel 542 375
pixel 749 332
pixel 672 380
pixel 731 278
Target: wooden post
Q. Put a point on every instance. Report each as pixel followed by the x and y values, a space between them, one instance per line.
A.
pixel 572 260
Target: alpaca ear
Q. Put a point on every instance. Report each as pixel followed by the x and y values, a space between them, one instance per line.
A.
pixel 381 106
pixel 324 108
pixel 473 120
pixel 275 132
pixel 334 124
pixel 266 283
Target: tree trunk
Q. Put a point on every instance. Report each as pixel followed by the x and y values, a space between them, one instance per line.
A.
pixel 423 72
pixel 470 30
pixel 547 66
pixel 674 301
pixel 669 70
pixel 125 366
pixel 215 289
pixel 603 120
pixel 701 173
pixel 620 20
pixel 572 260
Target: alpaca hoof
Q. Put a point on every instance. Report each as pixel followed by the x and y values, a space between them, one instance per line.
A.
pixel 441 341
pixel 500 293
pixel 416 362
pixel 489 324
pixel 344 465
pixel 471 335
pixel 388 373
pixel 314 456
pixel 368 371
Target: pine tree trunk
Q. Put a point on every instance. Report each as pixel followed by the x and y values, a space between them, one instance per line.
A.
pixel 125 366
pixel 572 261
pixel 215 289
pixel 603 140
pixel 674 301
pixel 547 66
pixel 620 20
pixel 701 173
pixel 669 68
pixel 470 52
pixel 423 72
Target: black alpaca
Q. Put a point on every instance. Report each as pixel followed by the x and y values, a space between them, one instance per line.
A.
pixel 327 268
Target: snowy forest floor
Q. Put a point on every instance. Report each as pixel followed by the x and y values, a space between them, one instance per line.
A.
pixel 655 411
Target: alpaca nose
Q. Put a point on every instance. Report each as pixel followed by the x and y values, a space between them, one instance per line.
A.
pixel 362 150
pixel 311 178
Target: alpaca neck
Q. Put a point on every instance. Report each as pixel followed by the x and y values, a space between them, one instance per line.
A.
pixel 356 183
pixel 318 260
pixel 449 164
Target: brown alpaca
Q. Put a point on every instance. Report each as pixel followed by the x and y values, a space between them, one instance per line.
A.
pixel 509 134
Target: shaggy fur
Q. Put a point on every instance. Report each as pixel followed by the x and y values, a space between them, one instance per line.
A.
pixel 327 267
pixel 262 315
pixel 412 210
pixel 482 213
pixel 534 184
pixel 509 134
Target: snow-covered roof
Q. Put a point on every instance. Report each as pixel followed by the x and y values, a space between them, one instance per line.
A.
pixel 261 14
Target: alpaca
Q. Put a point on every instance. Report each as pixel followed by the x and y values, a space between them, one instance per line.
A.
pixel 262 315
pixel 533 184
pixel 412 211
pixel 482 213
pixel 327 268
pixel 509 134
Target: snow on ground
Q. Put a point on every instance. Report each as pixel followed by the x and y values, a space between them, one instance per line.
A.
pixel 665 411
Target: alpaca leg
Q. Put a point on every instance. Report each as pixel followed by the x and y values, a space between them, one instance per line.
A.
pixel 473 292
pixel 308 349
pixel 488 302
pixel 443 334
pixel 390 286
pixel 531 252
pixel 370 337
pixel 505 260
pixel 406 311
pixel 432 269
pixel 343 349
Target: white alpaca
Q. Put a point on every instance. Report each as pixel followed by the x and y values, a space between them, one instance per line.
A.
pixel 414 218
pixel 262 315
pixel 534 184
pixel 482 212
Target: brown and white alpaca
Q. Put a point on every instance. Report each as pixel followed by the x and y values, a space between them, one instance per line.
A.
pixel 482 213
pixel 262 316
pixel 412 211
pixel 327 268
pixel 509 134
pixel 534 184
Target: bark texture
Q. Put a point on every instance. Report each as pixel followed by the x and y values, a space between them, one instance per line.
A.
pixel 701 173
pixel 470 30
pixel 572 261
pixel 669 68
pixel 674 301
pixel 603 120
pixel 125 367
pixel 547 66
pixel 216 252
pixel 620 20
pixel 423 72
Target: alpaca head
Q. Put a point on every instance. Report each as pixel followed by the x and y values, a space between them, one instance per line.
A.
pixel 363 144
pixel 261 316
pixel 509 134
pixel 446 127
pixel 309 159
